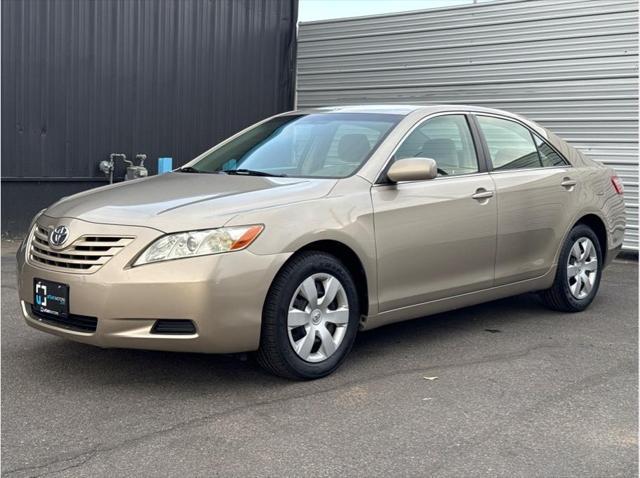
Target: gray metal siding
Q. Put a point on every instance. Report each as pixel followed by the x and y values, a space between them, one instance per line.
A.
pixel 85 78
pixel 571 65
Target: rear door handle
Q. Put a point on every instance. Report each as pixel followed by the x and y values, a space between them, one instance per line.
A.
pixel 568 183
pixel 482 193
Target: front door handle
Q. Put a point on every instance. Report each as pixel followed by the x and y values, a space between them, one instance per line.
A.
pixel 568 183
pixel 482 193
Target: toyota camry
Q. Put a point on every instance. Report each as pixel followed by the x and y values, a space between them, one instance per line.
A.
pixel 297 233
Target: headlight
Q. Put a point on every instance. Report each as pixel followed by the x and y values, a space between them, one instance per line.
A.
pixel 199 243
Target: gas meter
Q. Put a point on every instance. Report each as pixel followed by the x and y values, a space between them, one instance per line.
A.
pixel 133 171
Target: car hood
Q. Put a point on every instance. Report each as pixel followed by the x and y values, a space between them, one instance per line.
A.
pixel 184 201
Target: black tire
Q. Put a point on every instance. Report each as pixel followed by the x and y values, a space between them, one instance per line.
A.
pixel 559 296
pixel 276 353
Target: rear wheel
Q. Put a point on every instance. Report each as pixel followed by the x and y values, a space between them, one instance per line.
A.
pixel 310 317
pixel 579 271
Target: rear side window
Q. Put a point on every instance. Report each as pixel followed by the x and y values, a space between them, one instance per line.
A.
pixel 512 146
pixel 446 139
pixel 548 157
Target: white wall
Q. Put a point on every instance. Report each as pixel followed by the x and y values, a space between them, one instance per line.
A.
pixel 571 65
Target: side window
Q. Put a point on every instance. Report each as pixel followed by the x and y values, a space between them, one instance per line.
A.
pixel 446 139
pixel 510 144
pixel 548 156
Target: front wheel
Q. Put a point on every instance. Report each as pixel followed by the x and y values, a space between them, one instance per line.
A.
pixel 579 271
pixel 310 317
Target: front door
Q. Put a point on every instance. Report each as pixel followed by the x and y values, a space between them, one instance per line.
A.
pixel 436 238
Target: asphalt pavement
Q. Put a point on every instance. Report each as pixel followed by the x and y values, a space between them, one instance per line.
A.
pixel 514 390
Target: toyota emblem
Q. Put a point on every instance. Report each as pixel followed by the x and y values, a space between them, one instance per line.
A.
pixel 58 236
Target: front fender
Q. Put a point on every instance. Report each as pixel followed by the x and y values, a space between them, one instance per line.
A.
pixel 345 218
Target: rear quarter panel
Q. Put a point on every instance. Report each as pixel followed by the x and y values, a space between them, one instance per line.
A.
pixel 599 198
pixel 597 195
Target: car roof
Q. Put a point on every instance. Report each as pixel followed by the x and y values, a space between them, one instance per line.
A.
pixel 399 109
pixel 424 109
pixel 377 109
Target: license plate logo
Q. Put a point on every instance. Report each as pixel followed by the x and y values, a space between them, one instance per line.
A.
pixel 51 297
pixel 41 294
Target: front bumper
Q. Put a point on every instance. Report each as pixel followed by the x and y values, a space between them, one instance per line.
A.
pixel 222 294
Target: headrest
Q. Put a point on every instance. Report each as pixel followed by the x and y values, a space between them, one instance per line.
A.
pixel 440 149
pixel 353 147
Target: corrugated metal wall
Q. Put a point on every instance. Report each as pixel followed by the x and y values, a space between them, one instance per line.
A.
pixel 571 65
pixel 85 78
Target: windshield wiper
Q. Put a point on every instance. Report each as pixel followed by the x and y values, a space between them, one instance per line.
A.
pixel 189 169
pixel 252 172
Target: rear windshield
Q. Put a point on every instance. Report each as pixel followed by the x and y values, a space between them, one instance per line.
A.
pixel 327 145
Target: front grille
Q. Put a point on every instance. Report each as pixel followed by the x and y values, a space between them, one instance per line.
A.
pixel 81 323
pixel 86 254
pixel 173 326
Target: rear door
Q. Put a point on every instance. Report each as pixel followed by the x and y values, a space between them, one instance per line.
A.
pixel 536 190
pixel 436 238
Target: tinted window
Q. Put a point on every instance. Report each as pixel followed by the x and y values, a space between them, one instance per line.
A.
pixel 510 144
pixel 446 139
pixel 323 145
pixel 548 156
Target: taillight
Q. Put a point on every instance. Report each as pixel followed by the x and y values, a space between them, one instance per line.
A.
pixel 617 184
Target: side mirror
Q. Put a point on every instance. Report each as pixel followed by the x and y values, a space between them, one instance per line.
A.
pixel 412 169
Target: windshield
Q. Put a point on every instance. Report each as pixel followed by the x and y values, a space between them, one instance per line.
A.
pixel 328 145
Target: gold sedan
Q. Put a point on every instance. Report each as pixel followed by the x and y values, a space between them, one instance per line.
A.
pixel 296 233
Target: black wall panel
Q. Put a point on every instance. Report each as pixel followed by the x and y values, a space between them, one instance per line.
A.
pixel 84 78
